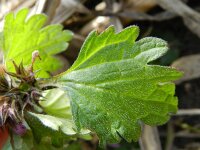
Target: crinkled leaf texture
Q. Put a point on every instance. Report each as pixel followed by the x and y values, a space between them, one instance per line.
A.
pixel 23 35
pixel 112 88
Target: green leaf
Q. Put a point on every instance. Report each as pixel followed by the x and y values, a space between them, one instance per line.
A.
pixel 102 48
pixel 23 35
pixel 24 142
pixel 27 142
pixel 112 88
pixel 56 102
pixel 1 41
pixel 57 129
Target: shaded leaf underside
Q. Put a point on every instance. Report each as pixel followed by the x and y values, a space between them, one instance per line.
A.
pixel 55 128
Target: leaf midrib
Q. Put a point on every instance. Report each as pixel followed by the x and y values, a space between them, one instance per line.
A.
pixel 108 90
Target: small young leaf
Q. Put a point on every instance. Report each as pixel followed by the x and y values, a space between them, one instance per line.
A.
pixel 22 36
pixel 56 102
pixel 112 89
pixel 53 127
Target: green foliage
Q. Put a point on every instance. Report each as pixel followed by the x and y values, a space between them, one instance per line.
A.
pixel 113 89
pixel 58 124
pixel 106 46
pixel 53 127
pixel 110 89
pixel 27 142
pixel 22 36
pixel 56 102
pixel 1 40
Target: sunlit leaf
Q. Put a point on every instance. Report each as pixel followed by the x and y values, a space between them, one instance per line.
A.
pixel 112 88
pixel 23 35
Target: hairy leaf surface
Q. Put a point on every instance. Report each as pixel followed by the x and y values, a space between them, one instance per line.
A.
pixel 112 88
pixel 23 35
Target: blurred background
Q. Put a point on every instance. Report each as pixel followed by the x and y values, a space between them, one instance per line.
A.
pixel 176 21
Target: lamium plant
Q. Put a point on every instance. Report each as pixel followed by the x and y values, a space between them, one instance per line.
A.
pixel 110 90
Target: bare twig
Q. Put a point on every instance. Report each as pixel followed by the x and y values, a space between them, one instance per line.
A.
pixel 48 7
pixel 170 136
pixel 150 139
pixel 187 134
pixel 113 20
pixel 143 16
pixel 182 134
pixel 190 17
pixel 188 112
pixel 67 8
pixel 166 15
